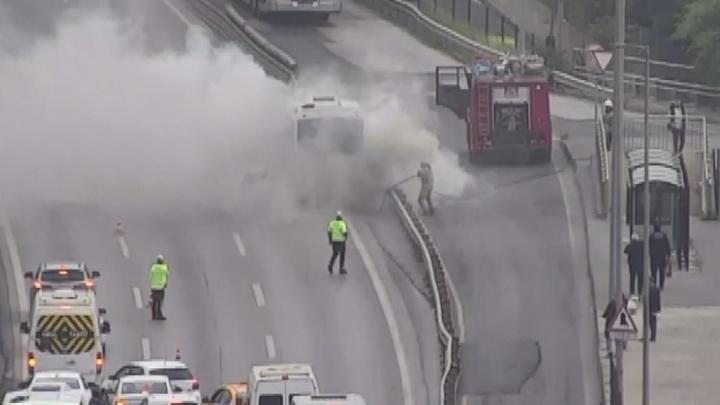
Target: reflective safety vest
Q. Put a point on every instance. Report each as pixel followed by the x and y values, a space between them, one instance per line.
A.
pixel 158 276
pixel 337 230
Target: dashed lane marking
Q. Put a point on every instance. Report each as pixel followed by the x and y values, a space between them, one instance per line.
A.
pixel 259 296
pixel 270 346
pixel 239 244
pixel 145 343
pixel 124 246
pixel 137 296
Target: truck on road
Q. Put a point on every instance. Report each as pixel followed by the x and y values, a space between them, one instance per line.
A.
pixel 505 104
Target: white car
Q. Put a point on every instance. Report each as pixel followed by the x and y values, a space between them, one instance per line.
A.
pixel 178 373
pixel 143 389
pixel 53 385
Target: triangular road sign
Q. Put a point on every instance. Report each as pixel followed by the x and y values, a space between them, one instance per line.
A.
pixel 623 322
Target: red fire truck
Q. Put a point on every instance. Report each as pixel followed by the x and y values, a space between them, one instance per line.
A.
pixel 504 103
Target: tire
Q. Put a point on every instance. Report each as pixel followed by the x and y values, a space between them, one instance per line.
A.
pixel 324 17
pixel 103 350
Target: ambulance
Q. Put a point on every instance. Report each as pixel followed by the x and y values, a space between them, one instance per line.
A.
pixel 66 332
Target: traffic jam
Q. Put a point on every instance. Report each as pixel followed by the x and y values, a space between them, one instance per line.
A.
pixel 66 356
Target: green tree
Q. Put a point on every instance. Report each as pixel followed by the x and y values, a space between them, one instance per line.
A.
pixel 698 26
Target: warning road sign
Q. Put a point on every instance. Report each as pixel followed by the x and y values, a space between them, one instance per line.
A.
pixel 623 327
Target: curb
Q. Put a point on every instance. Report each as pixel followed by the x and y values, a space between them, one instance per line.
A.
pixel 601 350
pixel 444 311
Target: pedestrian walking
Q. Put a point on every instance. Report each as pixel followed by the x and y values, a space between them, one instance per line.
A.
pixel 634 252
pixel 659 254
pixel 337 232
pixel 678 131
pixel 426 187
pixel 654 307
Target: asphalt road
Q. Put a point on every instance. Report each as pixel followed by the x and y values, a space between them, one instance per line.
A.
pixel 505 238
pixel 243 289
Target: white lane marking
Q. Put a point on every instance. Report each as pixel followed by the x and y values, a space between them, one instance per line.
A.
pixel 458 307
pixel 259 296
pixel 239 244
pixel 23 300
pixel 178 13
pixel 124 246
pixel 145 342
pixel 138 297
pixel 387 312
pixel 270 346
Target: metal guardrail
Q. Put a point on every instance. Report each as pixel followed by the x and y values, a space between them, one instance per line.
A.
pixel 686 90
pixel 274 58
pixel 439 281
pixel 276 62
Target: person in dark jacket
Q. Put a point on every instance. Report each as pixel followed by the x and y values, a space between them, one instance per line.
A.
pixel 634 252
pixel 659 254
pixel 654 306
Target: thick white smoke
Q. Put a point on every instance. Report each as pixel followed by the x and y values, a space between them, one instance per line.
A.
pixel 86 115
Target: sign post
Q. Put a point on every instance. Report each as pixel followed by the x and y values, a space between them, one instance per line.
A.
pixel 623 326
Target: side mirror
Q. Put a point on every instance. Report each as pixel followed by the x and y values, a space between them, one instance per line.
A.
pixel 176 389
pixel 23 385
pixel 24 328
pixel 29 275
pixel 102 311
pixel 95 274
pixel 105 329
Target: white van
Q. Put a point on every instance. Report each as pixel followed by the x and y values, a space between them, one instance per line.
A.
pixel 329 399
pixel 330 122
pixel 278 384
pixel 66 333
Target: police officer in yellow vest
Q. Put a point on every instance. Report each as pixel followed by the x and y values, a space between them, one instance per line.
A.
pixel 158 282
pixel 337 236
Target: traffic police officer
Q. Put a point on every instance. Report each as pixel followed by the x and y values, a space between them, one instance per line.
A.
pixel 337 236
pixel 426 186
pixel 158 282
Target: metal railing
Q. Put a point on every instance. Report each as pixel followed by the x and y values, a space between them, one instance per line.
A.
pixel 661 137
pixel 442 295
pixel 663 88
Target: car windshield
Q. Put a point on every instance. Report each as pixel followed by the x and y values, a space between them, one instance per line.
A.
pixel 173 373
pixel 71 382
pixel 144 387
pixel 62 276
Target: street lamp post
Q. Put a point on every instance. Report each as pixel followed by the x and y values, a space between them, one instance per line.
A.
pixel 616 201
pixel 646 221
